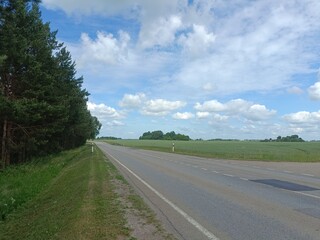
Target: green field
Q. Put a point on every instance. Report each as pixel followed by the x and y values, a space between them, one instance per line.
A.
pixel 240 150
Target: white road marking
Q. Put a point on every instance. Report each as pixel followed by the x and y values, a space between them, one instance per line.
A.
pixel 204 169
pixel 308 175
pixel 307 194
pixel 244 179
pixel 215 171
pixel 228 175
pixel 195 166
pixel 202 229
pixel 287 171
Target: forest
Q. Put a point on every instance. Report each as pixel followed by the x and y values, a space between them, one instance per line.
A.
pixel 43 108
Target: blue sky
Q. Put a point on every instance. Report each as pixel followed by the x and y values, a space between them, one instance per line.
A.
pixel 206 68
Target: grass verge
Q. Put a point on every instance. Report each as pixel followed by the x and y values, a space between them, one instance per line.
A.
pixel 68 196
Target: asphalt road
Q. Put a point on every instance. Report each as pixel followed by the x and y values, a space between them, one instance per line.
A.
pixel 199 198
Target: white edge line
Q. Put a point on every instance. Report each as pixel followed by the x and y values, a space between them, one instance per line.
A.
pixel 202 229
pixel 306 174
pixel 309 195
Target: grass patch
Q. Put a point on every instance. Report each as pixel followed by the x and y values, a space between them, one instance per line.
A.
pixel 238 150
pixel 69 197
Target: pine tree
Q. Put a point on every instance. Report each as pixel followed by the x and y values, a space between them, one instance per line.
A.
pixel 43 108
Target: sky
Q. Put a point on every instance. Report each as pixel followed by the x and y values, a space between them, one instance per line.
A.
pixel 240 69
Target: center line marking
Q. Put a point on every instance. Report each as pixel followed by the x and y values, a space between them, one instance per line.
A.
pixel 202 229
pixel 204 169
pixel 228 175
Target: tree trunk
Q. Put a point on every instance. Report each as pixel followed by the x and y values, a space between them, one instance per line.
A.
pixel 4 146
pixel 8 152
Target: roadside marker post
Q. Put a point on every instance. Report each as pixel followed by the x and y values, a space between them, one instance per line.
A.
pixel 91 147
pixel 172 147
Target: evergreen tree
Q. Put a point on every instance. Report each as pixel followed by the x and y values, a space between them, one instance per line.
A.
pixel 43 108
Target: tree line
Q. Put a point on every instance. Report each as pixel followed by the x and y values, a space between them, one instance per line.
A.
pixel 158 135
pixel 43 108
pixel 292 138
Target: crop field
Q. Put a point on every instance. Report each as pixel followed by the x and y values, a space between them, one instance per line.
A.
pixel 240 150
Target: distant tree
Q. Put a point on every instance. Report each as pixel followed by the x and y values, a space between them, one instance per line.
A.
pixel 158 135
pixel 292 138
pixel 169 135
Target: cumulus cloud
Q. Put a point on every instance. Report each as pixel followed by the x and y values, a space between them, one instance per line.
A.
pixel 105 49
pixel 202 115
pixel 132 101
pixel 160 107
pixel 102 111
pixel 255 46
pixel 210 106
pixel 183 116
pixel 304 122
pixel 198 42
pixel 303 117
pixel 236 107
pixel 314 91
pixel 160 33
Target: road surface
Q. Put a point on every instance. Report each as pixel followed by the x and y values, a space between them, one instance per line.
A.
pixel 199 198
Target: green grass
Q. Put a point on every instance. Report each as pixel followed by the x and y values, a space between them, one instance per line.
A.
pixel 240 150
pixel 68 196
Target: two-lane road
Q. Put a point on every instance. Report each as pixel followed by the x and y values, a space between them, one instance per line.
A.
pixel 199 198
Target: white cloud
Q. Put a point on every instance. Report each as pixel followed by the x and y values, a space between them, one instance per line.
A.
pixel 259 46
pixel 198 42
pixel 210 106
pixel 102 111
pixel 295 90
pixel 115 123
pixel 132 101
pixel 303 117
pixel 314 91
pixel 236 107
pixel 105 49
pixel 304 122
pixel 202 115
pixel 249 46
pixel 258 112
pixel 183 116
pixel 160 107
pixel 160 33
pixel 218 118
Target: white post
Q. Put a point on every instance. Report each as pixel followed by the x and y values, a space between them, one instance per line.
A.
pixel 92 147
pixel 172 147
